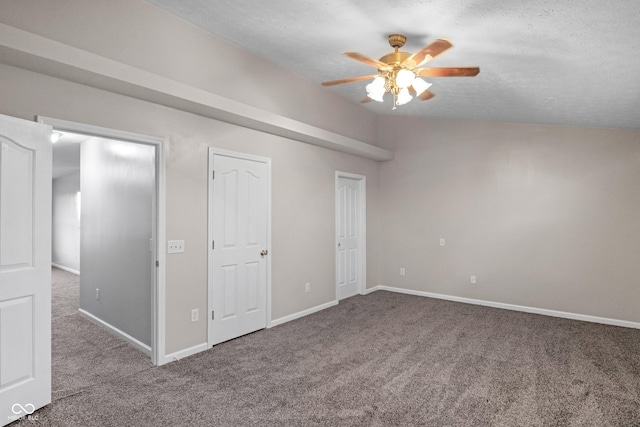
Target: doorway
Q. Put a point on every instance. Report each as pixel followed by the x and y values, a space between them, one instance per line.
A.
pixel 121 227
pixel 350 234
pixel 240 245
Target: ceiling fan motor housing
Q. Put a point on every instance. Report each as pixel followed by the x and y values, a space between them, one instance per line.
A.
pixel 394 59
pixel 397 40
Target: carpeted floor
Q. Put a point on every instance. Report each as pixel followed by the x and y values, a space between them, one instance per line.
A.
pixel 384 359
pixel 84 355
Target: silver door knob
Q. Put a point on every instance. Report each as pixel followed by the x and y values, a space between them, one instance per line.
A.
pixel 264 252
pixel 339 245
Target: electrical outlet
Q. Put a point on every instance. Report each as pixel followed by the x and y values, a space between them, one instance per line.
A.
pixel 442 241
pixel 97 293
pixel 402 271
pixel 175 246
pixel 307 287
pixel 473 279
pixel 194 315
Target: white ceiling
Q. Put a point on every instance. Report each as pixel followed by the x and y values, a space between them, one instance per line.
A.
pixel 567 62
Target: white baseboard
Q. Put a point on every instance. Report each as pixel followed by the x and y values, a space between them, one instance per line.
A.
pixel 62 267
pixel 543 311
pixel 302 313
pixel 185 353
pixel 369 290
pixel 131 340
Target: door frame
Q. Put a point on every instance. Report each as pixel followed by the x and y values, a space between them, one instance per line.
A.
pixel 210 220
pixel 158 303
pixel 362 220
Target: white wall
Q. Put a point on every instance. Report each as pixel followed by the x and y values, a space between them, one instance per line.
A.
pixel 544 216
pixel 65 241
pixel 118 191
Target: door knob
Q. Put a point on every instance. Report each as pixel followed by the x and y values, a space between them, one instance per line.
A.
pixel 264 252
pixel 339 245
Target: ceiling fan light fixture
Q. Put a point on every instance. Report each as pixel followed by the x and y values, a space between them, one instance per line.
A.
pixel 420 85
pixel 399 72
pixel 376 96
pixel 405 78
pixel 376 89
pixel 403 96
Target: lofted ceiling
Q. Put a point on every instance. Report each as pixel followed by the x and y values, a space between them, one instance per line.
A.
pixel 565 62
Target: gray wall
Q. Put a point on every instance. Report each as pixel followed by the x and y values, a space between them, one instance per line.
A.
pixel 139 34
pixel 544 216
pixel 65 239
pixel 303 175
pixel 465 181
pixel 118 186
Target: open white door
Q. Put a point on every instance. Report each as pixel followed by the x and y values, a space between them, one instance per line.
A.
pixel 239 225
pixel 25 268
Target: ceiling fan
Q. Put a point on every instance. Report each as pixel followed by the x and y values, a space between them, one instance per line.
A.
pixel 399 73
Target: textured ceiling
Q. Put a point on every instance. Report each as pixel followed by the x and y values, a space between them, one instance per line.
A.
pixel 567 62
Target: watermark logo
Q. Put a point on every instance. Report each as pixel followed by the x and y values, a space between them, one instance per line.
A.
pixel 27 409
pixel 23 411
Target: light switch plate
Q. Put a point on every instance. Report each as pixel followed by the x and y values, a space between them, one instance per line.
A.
pixel 175 246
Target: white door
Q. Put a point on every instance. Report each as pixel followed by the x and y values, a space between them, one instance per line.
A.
pixel 348 229
pixel 25 268
pixel 239 208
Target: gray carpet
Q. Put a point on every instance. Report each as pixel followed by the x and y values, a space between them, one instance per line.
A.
pixel 84 355
pixel 383 359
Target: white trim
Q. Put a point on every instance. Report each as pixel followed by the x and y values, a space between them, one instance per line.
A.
pixel 303 313
pixel 523 308
pixel 362 241
pixel 159 293
pixel 185 353
pixel 69 126
pixel 370 290
pixel 53 58
pixel 234 154
pixel 131 340
pixel 158 303
pixel 62 267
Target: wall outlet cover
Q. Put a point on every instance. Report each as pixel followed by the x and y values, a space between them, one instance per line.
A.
pixel 175 246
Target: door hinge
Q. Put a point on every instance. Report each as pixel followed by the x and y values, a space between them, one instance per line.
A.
pixel 157 263
pixel 213 317
pixel 213 244
pixel 213 174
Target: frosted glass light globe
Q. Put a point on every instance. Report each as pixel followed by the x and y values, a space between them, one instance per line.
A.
pixel 404 78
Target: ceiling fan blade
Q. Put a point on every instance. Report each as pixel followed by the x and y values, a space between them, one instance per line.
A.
pixel 365 100
pixel 448 72
pixel 432 50
pixel 349 80
pixel 426 95
pixel 369 61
